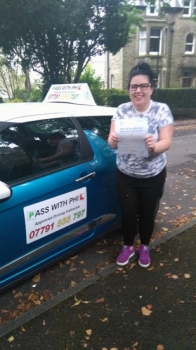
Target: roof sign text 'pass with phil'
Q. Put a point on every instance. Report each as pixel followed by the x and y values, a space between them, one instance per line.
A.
pixel 71 93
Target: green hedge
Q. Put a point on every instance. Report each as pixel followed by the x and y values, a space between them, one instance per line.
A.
pixel 175 98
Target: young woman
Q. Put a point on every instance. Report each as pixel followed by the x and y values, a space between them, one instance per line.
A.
pixel 140 179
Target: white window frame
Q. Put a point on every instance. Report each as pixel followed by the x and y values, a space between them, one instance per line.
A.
pixel 160 41
pixel 187 7
pixel 190 44
pixel 142 41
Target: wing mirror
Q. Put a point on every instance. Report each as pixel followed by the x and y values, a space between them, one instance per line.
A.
pixel 5 191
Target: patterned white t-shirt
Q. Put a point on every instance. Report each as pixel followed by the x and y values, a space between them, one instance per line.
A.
pixel 159 115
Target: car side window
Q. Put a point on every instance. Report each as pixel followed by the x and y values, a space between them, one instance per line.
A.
pixel 99 125
pixel 38 147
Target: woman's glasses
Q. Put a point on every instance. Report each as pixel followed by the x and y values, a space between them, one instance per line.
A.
pixel 143 87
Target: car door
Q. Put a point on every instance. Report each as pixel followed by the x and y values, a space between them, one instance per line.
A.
pixel 52 209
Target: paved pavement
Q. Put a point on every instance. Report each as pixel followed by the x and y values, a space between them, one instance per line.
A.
pixel 90 303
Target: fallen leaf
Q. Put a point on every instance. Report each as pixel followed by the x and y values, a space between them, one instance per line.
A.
pixel 149 306
pixel 36 278
pixel 86 302
pixel 44 323
pixel 132 265
pixel 78 301
pixel 120 269
pixel 101 300
pixel 145 311
pixel 72 269
pixel 164 229
pixel 10 339
pixel 175 277
pixel 88 331
pixel 187 275
pixel 72 284
pixel 176 259
pixel 17 295
pixel 104 319
pixel 135 344
pixel 160 347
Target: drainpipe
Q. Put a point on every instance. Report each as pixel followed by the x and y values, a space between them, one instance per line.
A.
pixel 108 69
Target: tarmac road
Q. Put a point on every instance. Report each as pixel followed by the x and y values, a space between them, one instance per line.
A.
pixel 92 266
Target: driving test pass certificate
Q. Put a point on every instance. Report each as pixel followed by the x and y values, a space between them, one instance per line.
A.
pixel 131 134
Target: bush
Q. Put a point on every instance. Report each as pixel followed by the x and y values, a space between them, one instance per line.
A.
pixel 114 97
pixel 176 98
pixel 35 95
pixel 15 100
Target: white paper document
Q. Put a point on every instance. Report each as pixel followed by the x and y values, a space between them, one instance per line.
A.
pixel 131 133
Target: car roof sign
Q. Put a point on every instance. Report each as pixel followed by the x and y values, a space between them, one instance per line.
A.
pixel 71 93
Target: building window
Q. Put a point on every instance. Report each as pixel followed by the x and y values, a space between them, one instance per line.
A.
pixel 142 42
pixel 194 8
pixel 186 8
pixel 189 46
pixel 151 10
pixel 155 40
pixel 186 79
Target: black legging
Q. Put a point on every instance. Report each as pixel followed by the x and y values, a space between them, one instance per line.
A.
pixel 137 209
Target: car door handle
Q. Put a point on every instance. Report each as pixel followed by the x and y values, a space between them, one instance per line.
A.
pixel 86 177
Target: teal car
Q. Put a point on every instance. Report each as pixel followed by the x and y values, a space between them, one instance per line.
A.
pixel 57 184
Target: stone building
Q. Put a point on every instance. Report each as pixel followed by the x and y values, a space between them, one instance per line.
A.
pixel 166 41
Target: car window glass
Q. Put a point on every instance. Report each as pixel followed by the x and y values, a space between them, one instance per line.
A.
pixel 98 125
pixel 38 147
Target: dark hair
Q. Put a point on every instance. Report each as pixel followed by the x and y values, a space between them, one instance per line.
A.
pixel 142 68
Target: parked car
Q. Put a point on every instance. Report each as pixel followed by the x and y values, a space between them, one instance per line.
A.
pixel 57 195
